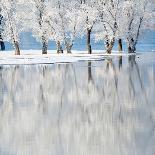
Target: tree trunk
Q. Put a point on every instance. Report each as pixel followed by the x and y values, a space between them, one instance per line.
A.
pixel 44 47
pixel 88 41
pixel 131 46
pixel 17 49
pixel 2 46
pixel 59 47
pixel 68 45
pixel 131 49
pixel 69 49
pixel 120 46
pixel 110 47
pixel 106 42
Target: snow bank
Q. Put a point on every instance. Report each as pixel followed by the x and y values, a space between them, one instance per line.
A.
pixel 35 57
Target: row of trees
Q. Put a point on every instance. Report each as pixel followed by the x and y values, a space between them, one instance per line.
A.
pixel 62 21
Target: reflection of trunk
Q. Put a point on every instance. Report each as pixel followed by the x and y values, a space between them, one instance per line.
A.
pixel 88 41
pixel 112 66
pixel 120 46
pixel 14 77
pixel 134 70
pixel 132 60
pixel 44 46
pixel 120 62
pixel 110 45
pixel 42 97
pixel 59 47
pixel 89 72
pixel 17 50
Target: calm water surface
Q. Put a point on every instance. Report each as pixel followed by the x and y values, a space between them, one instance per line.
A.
pixel 84 108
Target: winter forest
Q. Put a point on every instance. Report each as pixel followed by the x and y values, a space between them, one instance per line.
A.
pixel 63 21
pixel 76 78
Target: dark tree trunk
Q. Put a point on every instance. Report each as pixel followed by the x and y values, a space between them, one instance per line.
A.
pixel 17 49
pixel 44 47
pixel 88 41
pixel 131 49
pixel 106 42
pixel 68 45
pixel 59 47
pixel 110 47
pixel 131 46
pixel 2 46
pixel 69 49
pixel 120 46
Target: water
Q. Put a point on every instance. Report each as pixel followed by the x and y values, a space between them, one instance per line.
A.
pixel 85 108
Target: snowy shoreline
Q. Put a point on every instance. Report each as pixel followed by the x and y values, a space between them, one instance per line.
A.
pixel 35 57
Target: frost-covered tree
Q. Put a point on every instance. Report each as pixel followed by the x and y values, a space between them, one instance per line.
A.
pixel 37 22
pixel 65 21
pixel 135 13
pixel 107 28
pixel 2 45
pixel 12 22
pixel 54 21
pixel 62 21
pixel 90 14
pixel 74 25
pixel 121 19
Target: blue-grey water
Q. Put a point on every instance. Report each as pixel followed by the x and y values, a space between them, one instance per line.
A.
pixel 102 107
pixel 146 43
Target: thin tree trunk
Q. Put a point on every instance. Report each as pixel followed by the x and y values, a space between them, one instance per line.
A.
pixel 2 42
pixel 2 46
pixel 69 48
pixel 131 50
pixel 120 46
pixel 17 49
pixel 106 42
pixel 138 32
pixel 131 46
pixel 133 42
pixel 69 45
pixel 110 47
pixel 59 47
pixel 88 41
pixel 44 47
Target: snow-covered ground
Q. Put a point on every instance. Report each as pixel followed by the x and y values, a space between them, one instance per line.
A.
pixel 35 57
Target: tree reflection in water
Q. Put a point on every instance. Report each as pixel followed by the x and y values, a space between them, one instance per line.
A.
pixel 86 108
